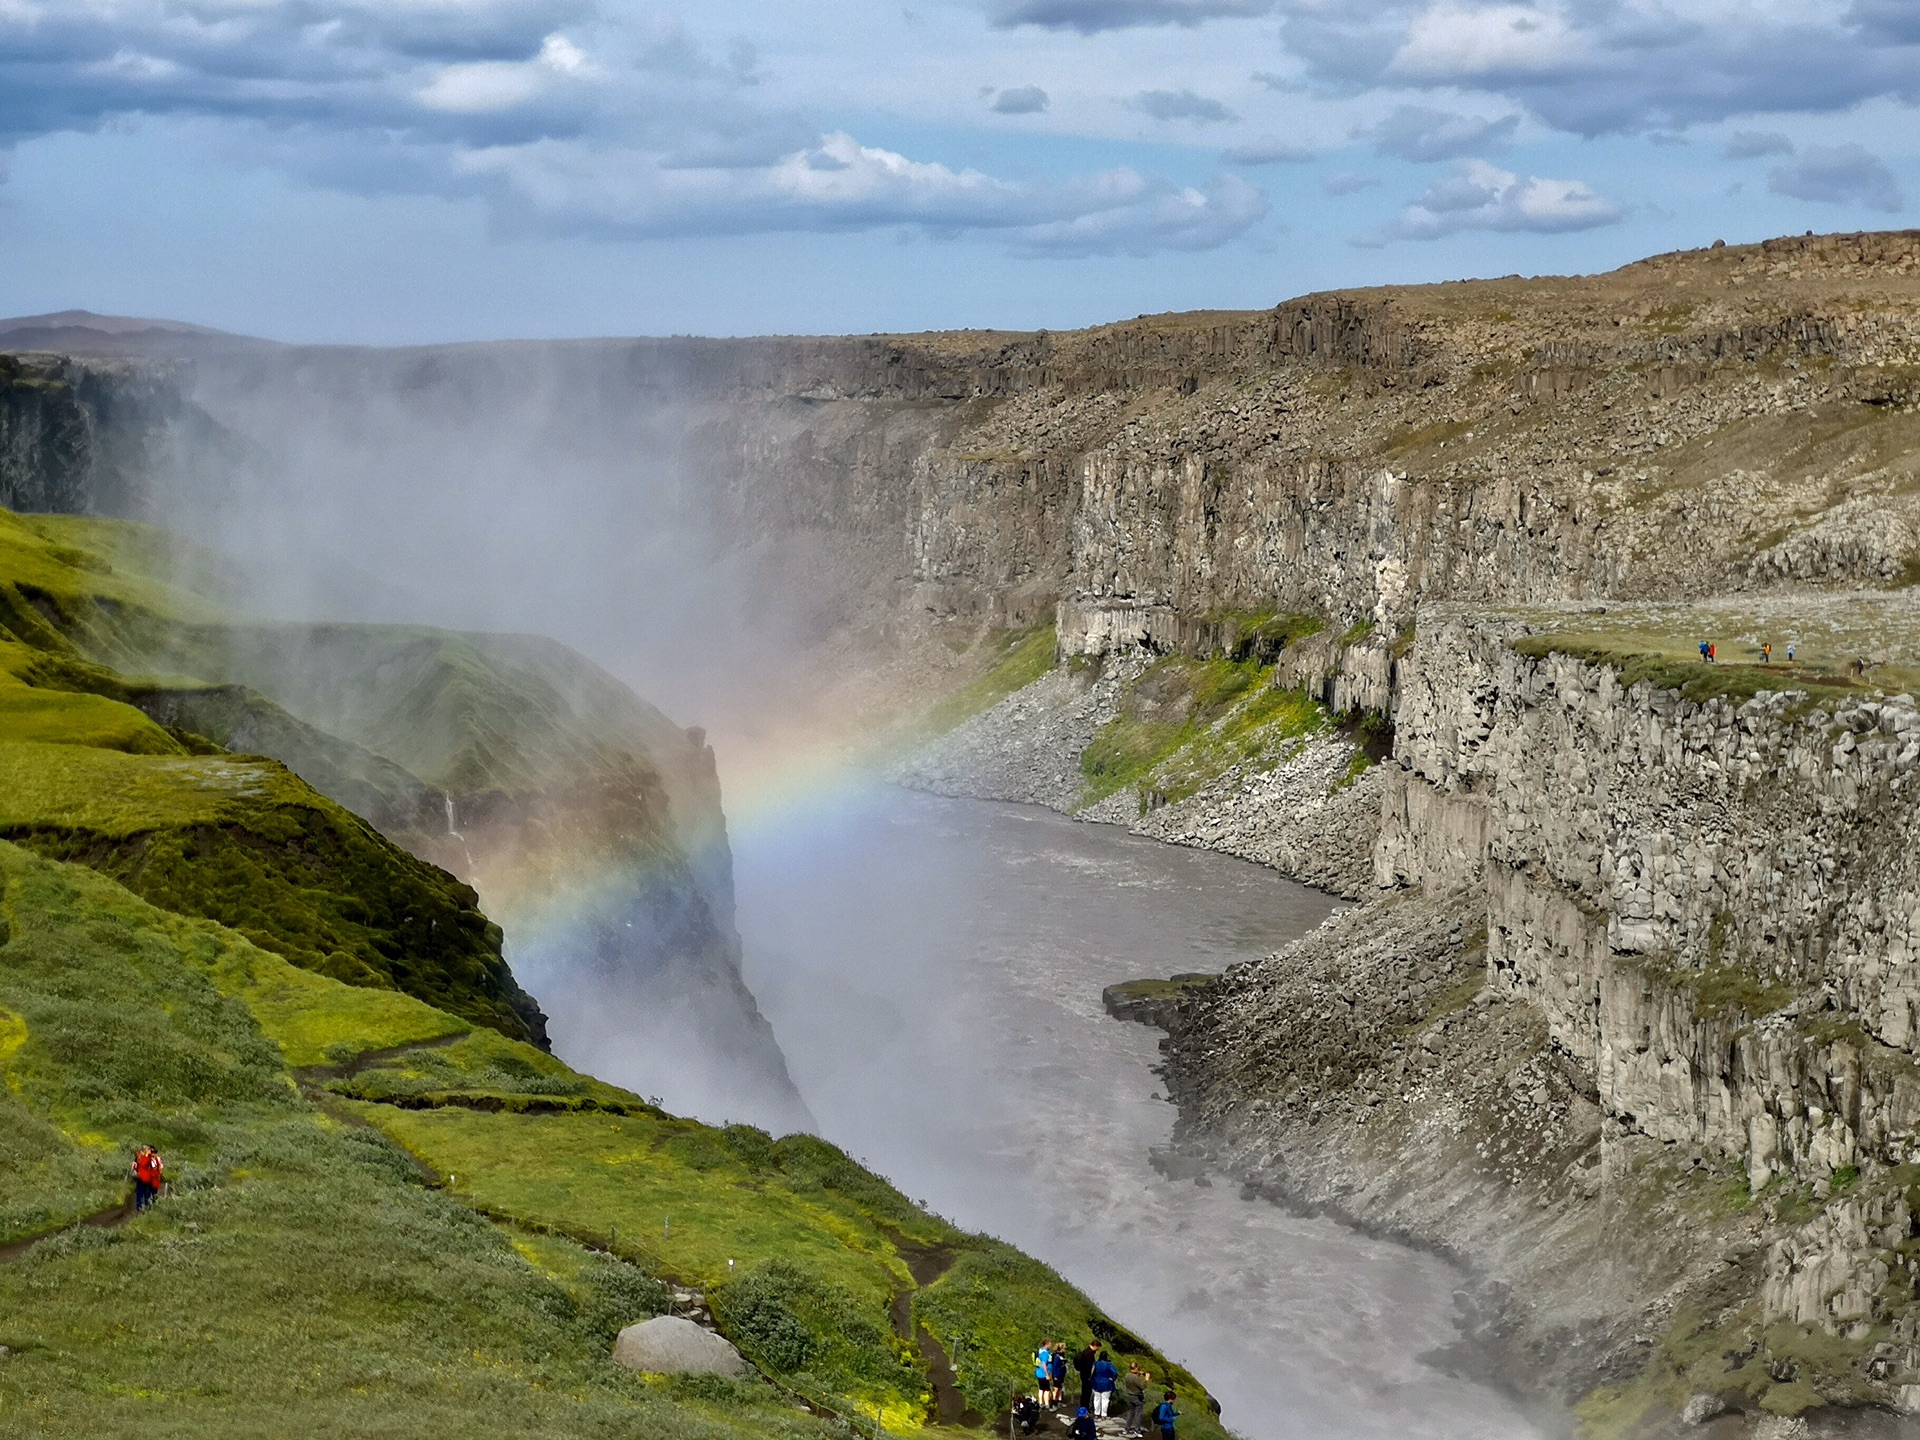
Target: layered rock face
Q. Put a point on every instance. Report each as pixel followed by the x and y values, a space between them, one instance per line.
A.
pixel 1659 874
pixel 1696 423
pixel 96 437
pixel 1681 935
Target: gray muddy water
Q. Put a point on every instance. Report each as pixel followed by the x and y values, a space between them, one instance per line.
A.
pixel 933 970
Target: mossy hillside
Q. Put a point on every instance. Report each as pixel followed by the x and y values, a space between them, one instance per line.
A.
pixel 300 1279
pixel 822 1250
pixel 1183 723
pixel 86 776
pixel 244 721
pixel 473 716
pixel 1013 660
pixel 393 1293
pixel 247 843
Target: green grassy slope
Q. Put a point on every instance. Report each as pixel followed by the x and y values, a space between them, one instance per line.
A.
pixel 440 1238
pixel 1186 722
pixel 471 715
pixel 85 775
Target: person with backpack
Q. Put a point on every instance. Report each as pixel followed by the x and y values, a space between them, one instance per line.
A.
pixel 149 1174
pixel 1133 1386
pixel 1164 1415
pixel 1105 1376
pixel 1043 1371
pixel 1082 1427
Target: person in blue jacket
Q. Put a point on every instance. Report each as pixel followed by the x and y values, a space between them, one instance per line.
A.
pixel 1057 1371
pixel 1082 1427
pixel 1104 1376
pixel 1164 1415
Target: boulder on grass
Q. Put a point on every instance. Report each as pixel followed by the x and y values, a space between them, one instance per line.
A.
pixel 668 1345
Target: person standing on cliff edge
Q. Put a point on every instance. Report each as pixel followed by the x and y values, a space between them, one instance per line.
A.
pixel 1083 1364
pixel 1134 1386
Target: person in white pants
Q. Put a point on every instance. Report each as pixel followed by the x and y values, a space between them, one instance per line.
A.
pixel 1104 1375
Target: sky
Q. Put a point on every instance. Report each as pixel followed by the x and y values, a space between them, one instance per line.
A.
pixel 398 171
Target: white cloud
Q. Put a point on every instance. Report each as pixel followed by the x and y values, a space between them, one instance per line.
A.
pixel 1455 44
pixel 1020 100
pixel 1269 151
pixel 1752 144
pixel 563 115
pixel 1479 196
pixel 840 184
pixel 490 85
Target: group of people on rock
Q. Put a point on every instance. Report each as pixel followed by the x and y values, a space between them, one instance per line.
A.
pixel 1099 1379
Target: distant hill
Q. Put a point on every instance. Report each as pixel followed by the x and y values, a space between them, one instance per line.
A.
pixel 82 332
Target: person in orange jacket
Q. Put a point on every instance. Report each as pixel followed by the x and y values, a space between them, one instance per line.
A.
pixel 149 1174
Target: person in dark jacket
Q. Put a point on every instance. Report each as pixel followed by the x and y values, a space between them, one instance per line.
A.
pixel 1164 1415
pixel 1083 1362
pixel 1105 1376
pixel 1082 1427
pixel 1057 1367
pixel 1026 1414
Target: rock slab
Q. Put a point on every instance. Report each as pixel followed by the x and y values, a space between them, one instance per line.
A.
pixel 668 1345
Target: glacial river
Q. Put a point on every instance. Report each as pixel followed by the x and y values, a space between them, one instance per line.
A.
pixel 933 970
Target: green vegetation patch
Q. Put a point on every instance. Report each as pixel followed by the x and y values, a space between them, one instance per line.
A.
pixel 246 843
pixel 992 1307
pixel 1184 723
pixel 1020 657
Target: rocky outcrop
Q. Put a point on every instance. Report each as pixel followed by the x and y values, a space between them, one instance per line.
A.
pixel 1680 934
pixel 97 437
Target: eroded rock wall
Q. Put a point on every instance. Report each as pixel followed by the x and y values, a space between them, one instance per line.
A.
pixel 1716 907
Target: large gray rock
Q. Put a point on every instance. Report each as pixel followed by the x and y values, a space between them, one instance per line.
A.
pixel 668 1345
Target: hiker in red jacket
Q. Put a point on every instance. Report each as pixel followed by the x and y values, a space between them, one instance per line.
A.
pixel 148 1176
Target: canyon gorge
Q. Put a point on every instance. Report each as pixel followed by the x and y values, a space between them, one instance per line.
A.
pixel 1399 592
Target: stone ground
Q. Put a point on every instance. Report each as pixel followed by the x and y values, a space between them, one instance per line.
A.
pixel 1302 817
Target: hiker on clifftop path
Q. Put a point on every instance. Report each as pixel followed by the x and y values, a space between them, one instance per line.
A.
pixel 1105 1375
pixel 1083 1363
pixel 1164 1416
pixel 1043 1372
pixel 1133 1385
pixel 149 1173
pixel 1026 1412
pixel 1057 1372
pixel 1704 648
pixel 1083 1427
